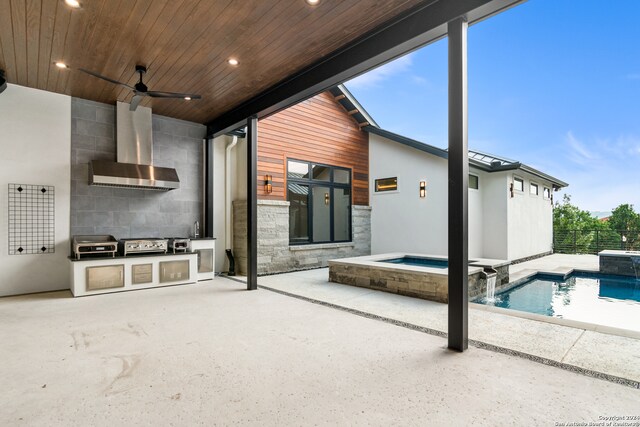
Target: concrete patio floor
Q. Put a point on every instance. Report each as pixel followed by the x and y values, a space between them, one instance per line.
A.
pixel 589 348
pixel 214 354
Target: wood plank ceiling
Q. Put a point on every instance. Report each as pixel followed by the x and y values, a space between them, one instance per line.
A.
pixel 185 45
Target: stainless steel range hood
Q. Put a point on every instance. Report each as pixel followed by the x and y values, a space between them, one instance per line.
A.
pixel 134 168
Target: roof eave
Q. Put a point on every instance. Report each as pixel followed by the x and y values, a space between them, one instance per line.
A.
pixel 342 88
pixel 555 181
pixel 407 141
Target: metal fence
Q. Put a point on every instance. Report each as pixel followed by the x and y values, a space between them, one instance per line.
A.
pixel 594 241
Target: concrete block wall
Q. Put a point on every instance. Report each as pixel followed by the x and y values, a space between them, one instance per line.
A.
pixel 125 212
pixel 274 253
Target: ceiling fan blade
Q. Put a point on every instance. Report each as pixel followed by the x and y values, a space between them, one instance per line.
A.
pixel 156 94
pixel 105 78
pixel 135 101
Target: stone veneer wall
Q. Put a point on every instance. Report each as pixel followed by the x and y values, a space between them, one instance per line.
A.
pixel 274 253
pixel 125 212
pixel 433 287
pixel 617 265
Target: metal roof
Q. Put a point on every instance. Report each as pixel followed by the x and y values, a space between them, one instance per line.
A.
pixel 489 159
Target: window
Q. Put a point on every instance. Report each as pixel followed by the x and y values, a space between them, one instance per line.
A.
pixel 320 203
pixel 546 193
pixel 518 184
pixel 474 182
pixel 533 189
pixel 386 184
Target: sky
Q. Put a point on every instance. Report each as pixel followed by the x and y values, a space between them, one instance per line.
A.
pixel 554 84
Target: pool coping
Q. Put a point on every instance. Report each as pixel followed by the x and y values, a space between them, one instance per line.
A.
pixel 475 266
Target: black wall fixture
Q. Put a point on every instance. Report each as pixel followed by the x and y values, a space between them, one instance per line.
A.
pixel 3 81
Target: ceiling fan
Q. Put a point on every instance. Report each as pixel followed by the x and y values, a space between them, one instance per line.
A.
pixel 140 90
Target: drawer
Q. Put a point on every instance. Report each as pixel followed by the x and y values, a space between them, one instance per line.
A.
pixel 141 273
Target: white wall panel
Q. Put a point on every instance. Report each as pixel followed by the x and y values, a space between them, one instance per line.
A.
pixel 35 137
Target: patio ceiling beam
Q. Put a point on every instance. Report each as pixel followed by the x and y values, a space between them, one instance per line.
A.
pixel 458 336
pixel 411 30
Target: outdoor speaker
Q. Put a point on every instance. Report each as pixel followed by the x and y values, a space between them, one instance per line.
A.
pixel 3 81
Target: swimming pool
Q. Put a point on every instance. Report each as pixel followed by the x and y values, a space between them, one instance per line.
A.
pixel 587 297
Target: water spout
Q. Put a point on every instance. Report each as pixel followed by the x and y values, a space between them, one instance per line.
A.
pixel 635 261
pixel 491 276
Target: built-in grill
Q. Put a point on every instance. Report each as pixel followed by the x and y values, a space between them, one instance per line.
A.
pixel 178 244
pixel 143 245
pixel 93 245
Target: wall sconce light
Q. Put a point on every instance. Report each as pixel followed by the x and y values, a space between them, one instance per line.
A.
pixel 511 189
pixel 268 184
pixel 326 198
pixel 423 189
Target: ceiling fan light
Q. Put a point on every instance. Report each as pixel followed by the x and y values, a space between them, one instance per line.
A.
pixel 73 3
pixel 233 61
pixel 187 98
pixel 312 2
pixel 61 65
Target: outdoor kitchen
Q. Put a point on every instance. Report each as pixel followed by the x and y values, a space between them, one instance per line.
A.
pixel 119 207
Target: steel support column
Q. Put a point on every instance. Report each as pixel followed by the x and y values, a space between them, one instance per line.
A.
pixel 458 187
pixel 252 203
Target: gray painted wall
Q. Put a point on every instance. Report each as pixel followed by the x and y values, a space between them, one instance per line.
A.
pixel 126 212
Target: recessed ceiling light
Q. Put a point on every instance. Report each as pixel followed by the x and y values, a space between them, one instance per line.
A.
pixel 61 65
pixel 73 3
pixel 233 61
pixel 187 98
pixel 313 2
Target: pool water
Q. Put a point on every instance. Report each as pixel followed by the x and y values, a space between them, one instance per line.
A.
pixel 419 262
pixel 586 297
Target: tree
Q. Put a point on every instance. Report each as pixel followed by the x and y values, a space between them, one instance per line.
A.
pixel 567 216
pixel 624 218
pixel 574 230
pixel 626 221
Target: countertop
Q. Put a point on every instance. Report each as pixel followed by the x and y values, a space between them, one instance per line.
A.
pixel 117 257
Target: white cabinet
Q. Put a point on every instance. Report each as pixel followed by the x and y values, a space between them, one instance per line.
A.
pixel 91 276
pixel 206 251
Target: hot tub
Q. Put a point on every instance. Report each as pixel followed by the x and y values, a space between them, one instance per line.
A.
pixel 416 275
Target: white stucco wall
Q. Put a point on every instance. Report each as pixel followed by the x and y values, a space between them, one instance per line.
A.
pixel 530 220
pixel 476 215
pixel 495 191
pixel 500 227
pixel 401 220
pixel 35 144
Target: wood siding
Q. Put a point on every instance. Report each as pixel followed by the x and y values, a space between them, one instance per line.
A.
pixel 316 130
